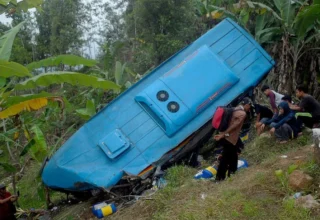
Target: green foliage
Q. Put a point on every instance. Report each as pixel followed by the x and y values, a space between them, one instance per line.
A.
pixel 58 142
pixel 177 175
pixel 119 72
pixel 283 177
pixel 165 25
pixel 306 19
pixel 70 60
pixel 26 148
pixel 312 168
pixel 8 167
pixel 59 24
pixel 89 111
pixel 287 11
pixel 266 7
pixel 9 69
pixel 72 78
pixel 290 211
pixel 6 42
pixel 39 150
pixel 12 100
pixel 31 189
pixel 3 82
pixel 24 48
pixel 292 168
pixel 267 35
pixel 264 147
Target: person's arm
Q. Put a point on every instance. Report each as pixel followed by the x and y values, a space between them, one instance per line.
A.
pixel 302 105
pixel 270 120
pixel 2 201
pixel 258 112
pixel 284 120
pixel 258 118
pixel 236 123
pixel 295 107
pixel 14 198
pixel 273 104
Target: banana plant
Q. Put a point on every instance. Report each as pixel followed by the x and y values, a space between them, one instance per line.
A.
pixel 297 29
pixel 11 72
pixel 122 75
pixel 292 21
pixel 89 111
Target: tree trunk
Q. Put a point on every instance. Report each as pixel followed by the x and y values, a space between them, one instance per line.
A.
pixel 284 73
pixel 294 76
pixel 313 85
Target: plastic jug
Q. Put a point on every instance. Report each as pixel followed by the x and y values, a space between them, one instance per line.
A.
pixel 103 209
pixel 207 173
pixel 242 164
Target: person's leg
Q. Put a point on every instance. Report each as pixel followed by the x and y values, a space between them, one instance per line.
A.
pixel 316 122
pixel 284 133
pixel 224 161
pixel 304 118
pixel 258 128
pixel 233 163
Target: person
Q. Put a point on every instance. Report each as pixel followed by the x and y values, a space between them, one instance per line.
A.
pixel 284 125
pixel 263 114
pixel 308 109
pixel 288 99
pixel 7 208
pixel 274 98
pixel 230 141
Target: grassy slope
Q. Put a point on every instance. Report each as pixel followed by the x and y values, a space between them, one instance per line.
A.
pixel 253 193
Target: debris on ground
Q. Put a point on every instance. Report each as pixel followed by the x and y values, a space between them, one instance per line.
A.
pixel 297 195
pixel 203 196
pixel 298 180
pixel 307 202
pixel 103 209
pixel 207 173
pixel 33 214
pixel 242 164
pixel 159 183
pixel 211 171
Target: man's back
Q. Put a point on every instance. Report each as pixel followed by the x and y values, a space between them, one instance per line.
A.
pixel 310 104
pixel 237 120
pixel 278 97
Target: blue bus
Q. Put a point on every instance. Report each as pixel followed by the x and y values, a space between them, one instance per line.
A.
pixel 163 115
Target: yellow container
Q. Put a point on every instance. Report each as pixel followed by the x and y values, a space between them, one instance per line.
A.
pixel 103 209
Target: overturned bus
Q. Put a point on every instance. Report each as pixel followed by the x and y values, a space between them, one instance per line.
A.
pixel 163 116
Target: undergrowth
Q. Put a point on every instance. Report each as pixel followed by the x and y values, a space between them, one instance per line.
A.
pixel 252 193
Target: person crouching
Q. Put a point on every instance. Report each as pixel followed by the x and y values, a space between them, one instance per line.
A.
pixel 284 126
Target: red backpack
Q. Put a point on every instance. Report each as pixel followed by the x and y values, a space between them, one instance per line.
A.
pixel 221 118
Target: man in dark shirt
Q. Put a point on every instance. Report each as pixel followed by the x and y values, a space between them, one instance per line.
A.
pixel 308 104
pixel 7 208
pixel 263 114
